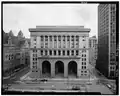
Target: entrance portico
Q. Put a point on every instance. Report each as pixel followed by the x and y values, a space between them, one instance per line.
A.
pixel 59 67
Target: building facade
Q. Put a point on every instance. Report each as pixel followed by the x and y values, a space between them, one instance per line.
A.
pixel 107 39
pixel 93 50
pixel 59 50
pixel 15 53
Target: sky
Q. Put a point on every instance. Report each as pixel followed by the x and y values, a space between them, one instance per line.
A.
pixel 18 17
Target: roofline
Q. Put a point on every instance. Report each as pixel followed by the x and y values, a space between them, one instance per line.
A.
pixel 58 29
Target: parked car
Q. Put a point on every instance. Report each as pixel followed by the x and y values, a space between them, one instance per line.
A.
pixel 75 88
pixel 89 83
pixel 109 86
pixel 44 80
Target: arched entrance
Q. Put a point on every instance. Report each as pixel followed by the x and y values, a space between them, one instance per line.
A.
pixel 59 69
pixel 46 68
pixel 72 69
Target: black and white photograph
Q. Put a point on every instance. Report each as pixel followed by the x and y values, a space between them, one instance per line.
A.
pixel 59 47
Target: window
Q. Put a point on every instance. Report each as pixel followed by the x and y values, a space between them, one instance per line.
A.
pixel 54 52
pixel 82 63
pixel 68 38
pixel 63 52
pixel 50 38
pixel 77 38
pixel 77 52
pixel 84 67
pixel 50 52
pixel 59 38
pixel 68 52
pixel 41 38
pixel 46 38
pixel 41 52
pixel 59 52
pixel 72 53
pixel 63 38
pixel 55 38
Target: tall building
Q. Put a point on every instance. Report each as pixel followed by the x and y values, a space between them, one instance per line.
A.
pixel 92 50
pixel 59 51
pixel 106 62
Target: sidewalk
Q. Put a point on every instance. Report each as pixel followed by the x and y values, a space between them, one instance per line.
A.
pixel 13 74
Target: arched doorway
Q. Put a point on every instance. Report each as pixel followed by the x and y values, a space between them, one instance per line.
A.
pixel 59 69
pixel 72 69
pixel 46 68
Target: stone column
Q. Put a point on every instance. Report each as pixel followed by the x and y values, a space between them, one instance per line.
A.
pixel 43 41
pixel 65 70
pixel 53 41
pixel 52 70
pixel 48 42
pixel 39 42
pixel 61 41
pixel 74 41
pixel 79 69
pixel 70 41
pixel 40 67
pixel 66 42
pixel 57 41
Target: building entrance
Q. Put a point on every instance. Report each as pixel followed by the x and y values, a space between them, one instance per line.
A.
pixel 59 69
pixel 72 69
pixel 46 69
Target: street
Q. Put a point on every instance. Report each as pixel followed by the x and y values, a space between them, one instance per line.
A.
pixel 16 77
pixel 56 83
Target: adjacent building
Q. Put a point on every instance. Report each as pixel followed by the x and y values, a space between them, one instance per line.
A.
pixel 59 51
pixel 15 52
pixel 93 50
pixel 106 62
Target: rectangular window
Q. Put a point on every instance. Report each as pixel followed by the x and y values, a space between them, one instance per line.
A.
pixel 59 52
pixel 68 52
pixel 77 38
pixel 46 38
pixel 54 52
pixel 50 38
pixel 68 38
pixel 55 38
pixel 77 52
pixel 72 53
pixel 42 38
pixel 41 52
pixel 59 38
pixel 63 38
pixel 63 52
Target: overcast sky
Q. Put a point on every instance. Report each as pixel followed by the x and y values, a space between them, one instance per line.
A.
pixel 23 16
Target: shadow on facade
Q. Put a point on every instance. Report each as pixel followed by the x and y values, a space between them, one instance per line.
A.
pixel 46 68
pixel 59 68
pixel 72 68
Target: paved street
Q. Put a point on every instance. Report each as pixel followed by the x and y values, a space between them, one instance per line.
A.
pixel 16 77
pixel 56 83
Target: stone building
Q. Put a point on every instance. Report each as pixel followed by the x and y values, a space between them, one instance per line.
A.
pixel 93 50
pixel 59 51
pixel 15 53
